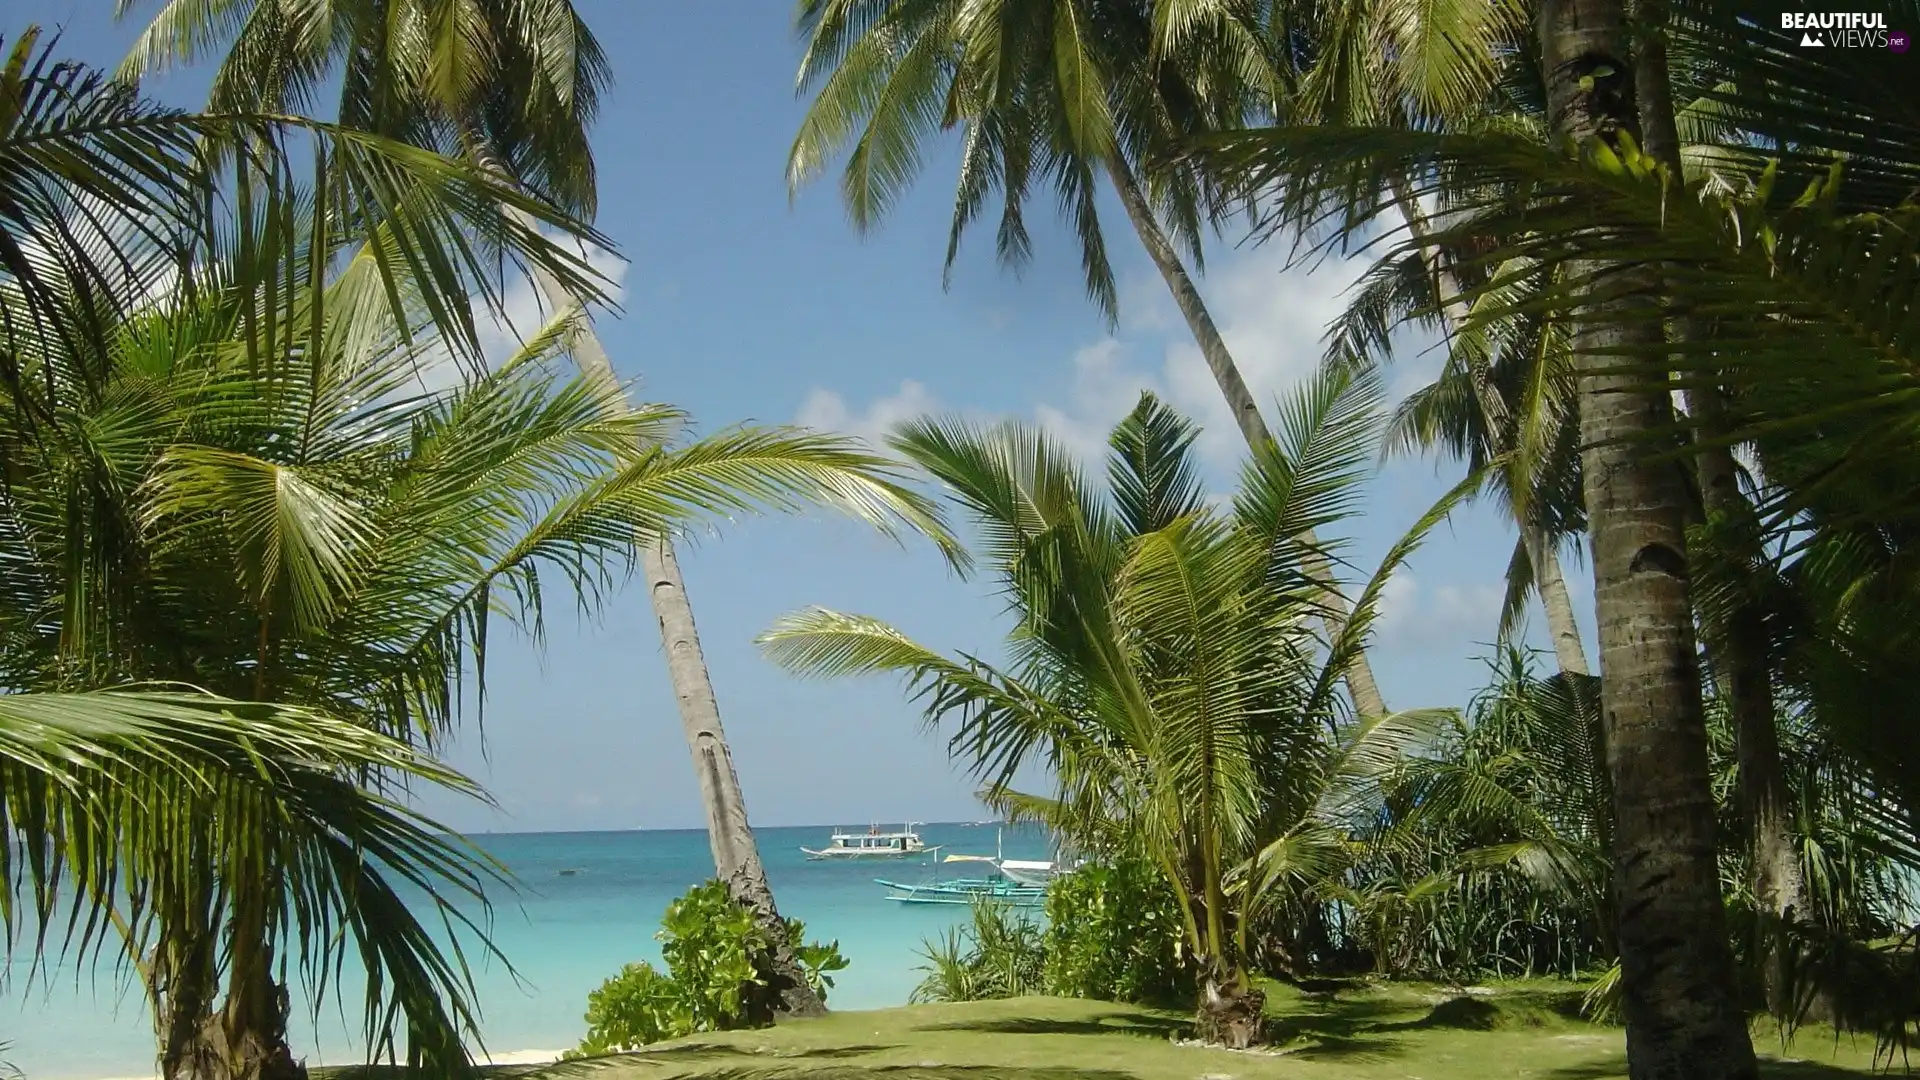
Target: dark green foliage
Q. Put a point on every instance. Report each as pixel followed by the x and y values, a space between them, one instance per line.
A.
pixel 1001 954
pixel 1114 933
pixel 717 976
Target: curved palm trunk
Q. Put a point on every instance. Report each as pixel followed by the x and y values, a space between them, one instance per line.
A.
pixel 736 857
pixel 1548 581
pixel 1246 411
pixel 1779 885
pixel 1676 973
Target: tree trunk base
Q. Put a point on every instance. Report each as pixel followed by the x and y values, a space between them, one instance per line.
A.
pixel 1230 1015
pixel 217 1051
pixel 787 993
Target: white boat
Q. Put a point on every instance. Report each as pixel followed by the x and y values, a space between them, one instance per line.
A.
pixel 872 844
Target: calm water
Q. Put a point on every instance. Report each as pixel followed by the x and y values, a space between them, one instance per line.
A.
pixel 563 935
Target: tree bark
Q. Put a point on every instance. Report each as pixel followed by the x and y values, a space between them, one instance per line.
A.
pixel 734 852
pixel 1683 1020
pixel 736 856
pixel 1739 641
pixel 1246 411
pixel 1230 1012
pixel 1568 651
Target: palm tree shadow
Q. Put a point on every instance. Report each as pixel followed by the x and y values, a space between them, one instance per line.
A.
pixel 1331 1028
pixel 1130 1023
pixel 1615 1068
pixel 703 1050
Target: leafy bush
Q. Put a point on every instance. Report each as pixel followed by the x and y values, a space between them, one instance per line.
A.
pixel 1000 955
pixel 718 976
pixel 1114 933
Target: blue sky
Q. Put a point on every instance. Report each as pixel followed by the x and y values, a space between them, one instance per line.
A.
pixel 741 305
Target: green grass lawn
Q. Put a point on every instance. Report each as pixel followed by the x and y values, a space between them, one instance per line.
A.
pixel 1400 1031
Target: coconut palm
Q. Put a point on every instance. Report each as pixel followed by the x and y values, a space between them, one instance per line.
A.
pixel 1065 93
pixel 109 193
pixel 225 480
pixel 1428 66
pixel 514 86
pixel 1165 665
pixel 111 798
pixel 1803 293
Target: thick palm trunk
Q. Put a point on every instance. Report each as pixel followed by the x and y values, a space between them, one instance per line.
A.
pixel 1683 1022
pixel 1568 651
pixel 1246 411
pixel 736 857
pixel 246 1038
pixel 1230 1010
pixel 1739 645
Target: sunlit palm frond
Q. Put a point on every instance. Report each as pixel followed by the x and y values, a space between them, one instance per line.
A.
pixel 109 798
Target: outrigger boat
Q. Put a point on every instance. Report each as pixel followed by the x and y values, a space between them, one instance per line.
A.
pixel 873 844
pixel 967 891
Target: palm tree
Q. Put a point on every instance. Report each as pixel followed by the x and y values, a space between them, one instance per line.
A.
pixel 1676 974
pixel 1505 395
pixel 1433 66
pixel 1064 92
pixel 105 794
pixel 514 85
pixel 1164 666
pixel 223 481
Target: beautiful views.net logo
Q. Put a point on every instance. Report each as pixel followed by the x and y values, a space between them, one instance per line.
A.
pixel 1845 30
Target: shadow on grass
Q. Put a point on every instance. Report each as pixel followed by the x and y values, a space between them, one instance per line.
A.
pixel 929 1071
pixel 1127 1023
pixel 704 1051
pixel 1615 1068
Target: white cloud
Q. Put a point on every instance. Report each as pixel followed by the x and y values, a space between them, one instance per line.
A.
pixel 1456 616
pixel 825 410
pixel 1103 390
pixel 523 312
pixel 1274 319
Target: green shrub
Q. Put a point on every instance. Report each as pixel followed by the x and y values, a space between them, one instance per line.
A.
pixel 1114 934
pixel 1000 955
pixel 717 978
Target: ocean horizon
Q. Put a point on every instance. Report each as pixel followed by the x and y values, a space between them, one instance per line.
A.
pixel 585 904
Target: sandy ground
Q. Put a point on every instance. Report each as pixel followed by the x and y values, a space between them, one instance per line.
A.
pixel 498 1057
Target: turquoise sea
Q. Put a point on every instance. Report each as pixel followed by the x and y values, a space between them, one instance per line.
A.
pixel 563 934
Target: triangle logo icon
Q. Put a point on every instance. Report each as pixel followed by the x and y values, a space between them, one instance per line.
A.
pixel 1807 40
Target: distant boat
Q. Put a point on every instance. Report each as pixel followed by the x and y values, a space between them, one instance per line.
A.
pixel 873 844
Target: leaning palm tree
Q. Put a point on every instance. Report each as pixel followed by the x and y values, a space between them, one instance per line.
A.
pixel 514 86
pixel 1165 664
pixel 1059 92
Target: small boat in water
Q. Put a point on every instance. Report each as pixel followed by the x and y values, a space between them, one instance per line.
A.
pixel 872 844
pixel 967 891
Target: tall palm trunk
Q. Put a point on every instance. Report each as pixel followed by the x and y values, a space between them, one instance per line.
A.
pixel 728 832
pixel 1246 411
pixel 1548 581
pixel 1676 972
pixel 1779 885
pixel 736 857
